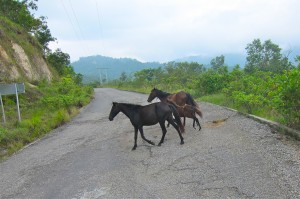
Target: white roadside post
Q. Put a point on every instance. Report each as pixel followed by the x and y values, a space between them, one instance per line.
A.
pixel 3 113
pixel 18 106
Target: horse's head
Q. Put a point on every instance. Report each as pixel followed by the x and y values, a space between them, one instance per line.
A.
pixel 152 95
pixel 115 109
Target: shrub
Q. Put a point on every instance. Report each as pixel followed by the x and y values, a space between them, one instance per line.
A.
pixel 285 95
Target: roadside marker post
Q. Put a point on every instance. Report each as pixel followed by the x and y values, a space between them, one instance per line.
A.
pixel 10 89
pixel 3 113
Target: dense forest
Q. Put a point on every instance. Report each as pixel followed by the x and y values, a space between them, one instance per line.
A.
pixel 268 85
pixel 46 104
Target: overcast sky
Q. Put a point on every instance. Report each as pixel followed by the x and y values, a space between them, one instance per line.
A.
pixel 164 30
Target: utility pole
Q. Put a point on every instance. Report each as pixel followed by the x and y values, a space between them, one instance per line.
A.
pixel 100 76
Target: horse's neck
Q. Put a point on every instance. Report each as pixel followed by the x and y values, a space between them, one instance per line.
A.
pixel 163 96
pixel 127 111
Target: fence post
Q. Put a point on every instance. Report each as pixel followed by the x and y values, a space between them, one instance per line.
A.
pixel 18 106
pixel 4 119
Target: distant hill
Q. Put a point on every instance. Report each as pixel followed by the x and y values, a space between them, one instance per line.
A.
pixel 230 59
pixel 91 67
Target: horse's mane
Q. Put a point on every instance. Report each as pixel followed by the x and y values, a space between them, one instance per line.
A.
pixel 161 93
pixel 131 106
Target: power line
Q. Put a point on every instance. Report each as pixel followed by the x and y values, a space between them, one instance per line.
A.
pixel 66 11
pixel 100 27
pixel 100 76
pixel 80 30
pixel 72 24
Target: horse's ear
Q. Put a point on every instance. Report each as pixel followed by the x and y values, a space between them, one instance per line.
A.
pixel 114 103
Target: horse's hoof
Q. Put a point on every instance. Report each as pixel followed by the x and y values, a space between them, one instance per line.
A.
pixel 159 144
pixel 182 142
pixel 133 148
pixel 152 143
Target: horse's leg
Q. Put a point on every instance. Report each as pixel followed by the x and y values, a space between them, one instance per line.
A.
pixel 198 123
pixel 135 138
pixel 168 124
pixel 177 128
pixel 184 121
pixel 194 121
pixel 142 134
pixel 164 131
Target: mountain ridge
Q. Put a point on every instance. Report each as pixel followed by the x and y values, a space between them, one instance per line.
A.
pixel 97 67
pixel 92 67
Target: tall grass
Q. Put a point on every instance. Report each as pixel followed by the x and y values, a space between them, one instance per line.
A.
pixel 43 108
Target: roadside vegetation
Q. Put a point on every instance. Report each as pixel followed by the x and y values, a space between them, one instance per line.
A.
pixel 268 85
pixel 45 105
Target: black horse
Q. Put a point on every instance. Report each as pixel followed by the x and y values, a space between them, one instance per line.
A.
pixel 149 115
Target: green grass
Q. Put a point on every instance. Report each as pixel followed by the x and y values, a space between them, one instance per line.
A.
pixel 264 111
pixel 219 99
pixel 41 111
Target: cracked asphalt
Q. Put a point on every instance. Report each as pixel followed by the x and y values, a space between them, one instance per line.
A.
pixel 91 157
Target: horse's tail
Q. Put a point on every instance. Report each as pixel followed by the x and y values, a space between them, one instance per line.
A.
pixel 191 101
pixel 177 117
pixel 197 110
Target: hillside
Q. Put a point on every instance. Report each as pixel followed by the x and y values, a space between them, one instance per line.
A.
pixel 91 67
pixel 21 56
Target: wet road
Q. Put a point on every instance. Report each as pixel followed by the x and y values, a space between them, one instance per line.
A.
pixel 91 157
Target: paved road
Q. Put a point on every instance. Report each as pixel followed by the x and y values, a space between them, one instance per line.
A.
pixel 91 157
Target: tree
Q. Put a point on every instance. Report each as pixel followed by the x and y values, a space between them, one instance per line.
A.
pixel 123 77
pixel 265 57
pixel 59 60
pixel 217 62
pixel 297 59
pixel 19 13
pixel 145 74
pixel 43 35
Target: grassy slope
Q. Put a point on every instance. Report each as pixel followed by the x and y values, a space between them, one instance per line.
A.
pixel 43 108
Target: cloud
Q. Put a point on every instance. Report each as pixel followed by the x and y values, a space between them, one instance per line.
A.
pixel 165 30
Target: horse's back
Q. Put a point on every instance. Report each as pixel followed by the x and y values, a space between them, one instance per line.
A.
pixel 150 114
pixel 162 109
pixel 179 98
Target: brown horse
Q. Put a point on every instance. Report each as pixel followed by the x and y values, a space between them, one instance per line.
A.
pixel 149 115
pixel 189 112
pixel 181 98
